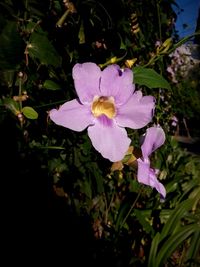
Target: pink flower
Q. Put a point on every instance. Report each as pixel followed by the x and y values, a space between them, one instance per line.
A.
pixel 154 138
pixel 174 121
pixel 106 104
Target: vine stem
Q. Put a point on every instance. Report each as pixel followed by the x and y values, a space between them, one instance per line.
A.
pixel 20 93
pixel 159 21
pixel 50 104
pixel 131 208
pixel 108 207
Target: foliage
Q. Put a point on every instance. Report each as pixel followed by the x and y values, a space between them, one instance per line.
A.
pixel 105 216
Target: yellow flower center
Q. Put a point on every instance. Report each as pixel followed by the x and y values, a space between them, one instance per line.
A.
pixel 103 106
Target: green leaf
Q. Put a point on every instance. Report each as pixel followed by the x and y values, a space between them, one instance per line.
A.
pixel 41 48
pixel 172 233
pixel 7 77
pixel 194 247
pixel 86 188
pixel 173 242
pixel 149 78
pixel 99 183
pixel 143 220
pixel 49 84
pixel 12 105
pixel 11 46
pixel 29 113
pixel 98 179
pixel 122 212
pixel 153 250
pixel 175 217
pixel 81 34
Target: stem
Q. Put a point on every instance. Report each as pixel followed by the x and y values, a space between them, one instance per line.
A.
pixel 113 60
pixel 153 59
pixel 108 207
pixel 159 21
pixel 63 18
pixel 106 212
pixel 26 7
pixel 183 40
pixel 51 104
pixel 20 93
pixel 131 208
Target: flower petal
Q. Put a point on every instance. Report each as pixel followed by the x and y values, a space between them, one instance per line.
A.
pixel 117 83
pixel 109 139
pixel 154 138
pixel 72 115
pixel 86 80
pixel 147 176
pixel 137 112
pixel 154 183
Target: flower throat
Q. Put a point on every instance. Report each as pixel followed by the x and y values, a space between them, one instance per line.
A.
pixel 103 105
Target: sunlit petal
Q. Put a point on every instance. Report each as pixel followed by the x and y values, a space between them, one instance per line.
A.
pixel 154 138
pixel 72 115
pixel 137 112
pixel 147 176
pixel 117 83
pixel 109 139
pixel 86 80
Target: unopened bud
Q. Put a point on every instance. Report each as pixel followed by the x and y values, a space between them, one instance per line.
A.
pixel 20 74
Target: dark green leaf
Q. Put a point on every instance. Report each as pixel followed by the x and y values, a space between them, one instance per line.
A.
pixel 173 242
pixel 123 211
pixel 11 46
pixel 143 221
pixel 51 85
pixel 86 188
pixel 149 78
pixel 194 247
pixel 175 217
pixel 81 34
pixel 153 250
pixel 7 77
pixel 12 105
pixel 41 48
